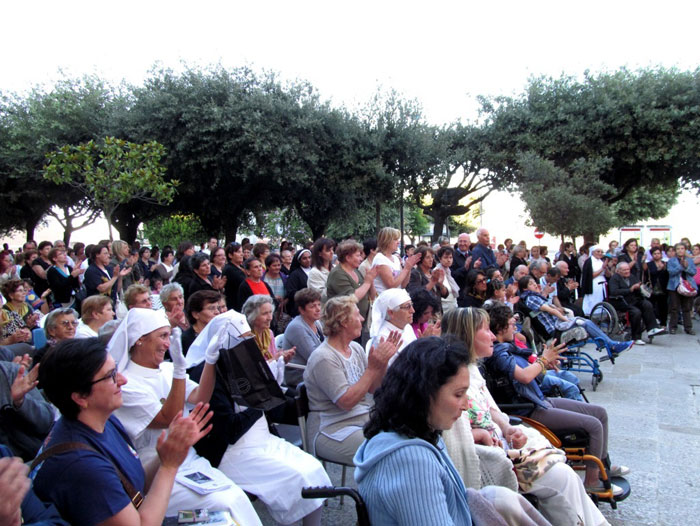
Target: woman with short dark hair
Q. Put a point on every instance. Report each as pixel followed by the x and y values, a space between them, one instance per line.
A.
pixel 321 265
pixel 233 272
pixel 476 284
pixel 62 278
pixel 202 280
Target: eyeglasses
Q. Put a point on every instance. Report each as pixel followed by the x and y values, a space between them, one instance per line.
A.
pixel 215 308
pixel 408 306
pixel 68 323
pixel 112 374
pixel 479 281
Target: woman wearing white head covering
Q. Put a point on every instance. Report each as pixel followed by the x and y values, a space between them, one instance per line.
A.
pixel 593 279
pixel 155 393
pixel 241 446
pixel 393 311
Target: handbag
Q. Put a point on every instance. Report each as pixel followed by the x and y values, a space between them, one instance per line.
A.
pixel 685 288
pixel 645 289
pixel 248 377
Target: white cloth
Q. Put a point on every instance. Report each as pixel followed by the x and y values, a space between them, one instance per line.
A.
pixel 394 264
pixel 390 299
pixel 227 327
pixel 142 399
pixel 275 471
pixel 598 295
pixel 407 336
pixel 317 279
pixel 84 331
pixel 137 323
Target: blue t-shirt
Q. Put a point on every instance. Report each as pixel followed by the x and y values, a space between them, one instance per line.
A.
pixel 84 485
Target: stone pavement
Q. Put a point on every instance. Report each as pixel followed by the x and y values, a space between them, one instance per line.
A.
pixel 651 395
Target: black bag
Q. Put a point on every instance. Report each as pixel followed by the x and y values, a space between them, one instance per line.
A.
pixel 247 376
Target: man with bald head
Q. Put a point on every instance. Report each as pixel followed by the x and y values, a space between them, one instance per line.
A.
pixel 461 257
pixel 625 296
pixel 566 289
pixel 482 255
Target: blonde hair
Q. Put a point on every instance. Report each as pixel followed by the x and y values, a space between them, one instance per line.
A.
pixel 462 324
pixel 336 312
pixel 133 291
pixel 120 249
pixel 385 237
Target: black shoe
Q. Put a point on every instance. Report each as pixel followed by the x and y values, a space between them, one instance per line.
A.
pixel 691 332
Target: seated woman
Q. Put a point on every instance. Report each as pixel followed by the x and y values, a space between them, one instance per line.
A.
pixel 563 499
pixel 426 309
pixel 340 379
pixel 172 297
pixel 60 324
pixel 201 308
pixel 321 265
pixel 424 277
pixel 475 289
pixel 241 446
pixel 155 393
pixel 403 471
pixel 346 280
pixel 95 312
pixel 304 332
pixel 554 320
pixel 555 413
pixel 62 278
pixel 80 378
pixel 393 312
pixel 17 317
pixel 390 275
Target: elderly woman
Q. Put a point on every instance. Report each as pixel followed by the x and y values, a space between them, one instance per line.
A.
pixel 217 258
pixel 346 280
pixel 258 310
pixel 403 471
pixel 304 332
pixel 201 308
pixel 95 312
pixel 17 318
pixel 593 280
pixel 390 275
pixel 321 264
pixel 340 379
pixel 241 446
pixel 563 499
pixel 172 297
pixel 59 325
pixel 156 393
pixel 298 278
pixel 80 378
pixel 253 284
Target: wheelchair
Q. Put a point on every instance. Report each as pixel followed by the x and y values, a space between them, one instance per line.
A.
pixel 575 358
pixel 572 441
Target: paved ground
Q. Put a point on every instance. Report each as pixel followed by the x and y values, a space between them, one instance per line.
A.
pixel 651 394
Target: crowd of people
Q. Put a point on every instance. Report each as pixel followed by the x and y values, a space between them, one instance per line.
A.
pixel 110 388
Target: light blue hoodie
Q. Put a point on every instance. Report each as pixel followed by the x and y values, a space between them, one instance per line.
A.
pixel 410 482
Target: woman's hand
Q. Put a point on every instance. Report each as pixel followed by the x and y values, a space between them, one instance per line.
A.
pixel 176 355
pixel 371 274
pixel 14 485
pixel 77 272
pixel 433 329
pixel 288 354
pixel 183 433
pixel 412 261
pixel 218 282
pixel 124 272
pixel 437 275
pixel 380 354
pixel 20 336
pixel 32 320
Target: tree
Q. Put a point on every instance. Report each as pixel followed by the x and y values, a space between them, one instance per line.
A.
pixel 71 213
pixel 172 229
pixel 564 203
pixel 639 131
pixel 111 173
pixel 73 111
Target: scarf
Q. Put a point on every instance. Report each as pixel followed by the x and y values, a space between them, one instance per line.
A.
pixel 137 323
pixel 390 299
pixel 263 340
pixel 450 280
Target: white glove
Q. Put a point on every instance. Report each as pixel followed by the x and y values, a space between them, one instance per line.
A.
pixel 211 355
pixel 179 362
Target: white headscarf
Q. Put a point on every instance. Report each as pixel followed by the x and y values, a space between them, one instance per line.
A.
pixel 390 299
pixel 596 264
pixel 227 328
pixel 136 323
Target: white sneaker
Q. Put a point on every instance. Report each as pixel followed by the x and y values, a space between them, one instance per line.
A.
pixel 639 342
pixel 658 330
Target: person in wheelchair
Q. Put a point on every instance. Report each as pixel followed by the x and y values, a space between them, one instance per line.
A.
pixel 554 320
pixel 625 295
pixel 559 414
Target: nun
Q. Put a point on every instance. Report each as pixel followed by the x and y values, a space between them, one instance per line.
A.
pixel 241 445
pixel 156 391
pixel 593 279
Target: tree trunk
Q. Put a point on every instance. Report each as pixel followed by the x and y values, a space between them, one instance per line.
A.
pixel 128 230
pixel 590 238
pixel 439 221
pixel 230 230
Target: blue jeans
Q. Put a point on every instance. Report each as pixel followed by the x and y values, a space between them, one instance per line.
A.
pixel 566 381
pixel 594 331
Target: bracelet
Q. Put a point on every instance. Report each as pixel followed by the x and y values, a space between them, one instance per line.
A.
pixel 541 362
pixel 546 362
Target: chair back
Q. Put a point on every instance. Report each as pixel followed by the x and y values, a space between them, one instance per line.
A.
pixel 302 404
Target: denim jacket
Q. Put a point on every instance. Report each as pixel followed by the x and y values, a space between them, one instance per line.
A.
pixel 675 270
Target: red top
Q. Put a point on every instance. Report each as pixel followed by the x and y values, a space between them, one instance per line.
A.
pixel 258 288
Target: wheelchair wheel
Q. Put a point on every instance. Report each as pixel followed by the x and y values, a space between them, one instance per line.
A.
pixel 604 316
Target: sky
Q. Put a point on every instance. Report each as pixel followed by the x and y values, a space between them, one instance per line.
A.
pixel 441 53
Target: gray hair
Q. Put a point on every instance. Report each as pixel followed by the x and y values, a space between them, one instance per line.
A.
pixel 535 264
pixel 52 319
pixel 251 307
pixel 168 289
pixel 481 230
pixel 620 265
pixel 560 265
pixel 520 269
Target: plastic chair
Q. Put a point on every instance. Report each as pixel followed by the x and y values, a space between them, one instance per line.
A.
pixel 38 338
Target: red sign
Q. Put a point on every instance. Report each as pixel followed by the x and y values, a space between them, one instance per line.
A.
pixel 538 233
